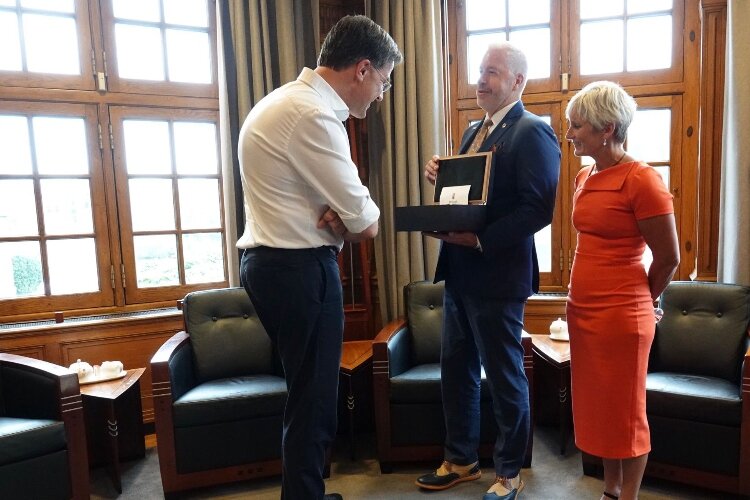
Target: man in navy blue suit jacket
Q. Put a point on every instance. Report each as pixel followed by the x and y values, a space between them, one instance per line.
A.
pixel 489 275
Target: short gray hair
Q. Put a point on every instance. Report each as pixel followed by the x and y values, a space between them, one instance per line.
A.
pixel 515 58
pixel 601 103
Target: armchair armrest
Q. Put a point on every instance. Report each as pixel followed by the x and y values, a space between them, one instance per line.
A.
pixel 33 388
pixel 172 365
pixel 390 348
pixel 174 356
pixel 381 369
pixel 744 472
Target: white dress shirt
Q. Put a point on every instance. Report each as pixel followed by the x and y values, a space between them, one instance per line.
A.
pixel 499 116
pixel 295 159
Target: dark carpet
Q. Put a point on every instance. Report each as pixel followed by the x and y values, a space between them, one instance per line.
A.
pixel 551 476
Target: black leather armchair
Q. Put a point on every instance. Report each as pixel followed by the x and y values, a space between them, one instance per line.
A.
pixel 409 419
pixel 42 434
pixel 698 387
pixel 219 395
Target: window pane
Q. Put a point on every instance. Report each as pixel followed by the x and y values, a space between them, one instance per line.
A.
pixel 598 57
pixel 525 12
pixel 477 46
pixel 50 5
pixel 664 172
pixel 195 148
pixel 591 9
pixel 649 135
pixel 536 45
pixel 51 44
pixel 186 12
pixel 648 257
pixel 10 56
pixel 147 147
pixel 72 266
pixel 15 150
pixel 188 56
pixel 485 14
pixel 60 145
pixel 67 206
pixel 204 258
pixel 17 208
pixel 199 203
pixel 543 242
pixel 156 260
pixel 151 204
pixel 641 6
pixel 649 43
pixel 136 10
pixel 139 52
pixel 20 269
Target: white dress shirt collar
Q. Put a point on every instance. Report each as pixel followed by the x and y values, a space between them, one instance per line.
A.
pixel 330 97
pixel 499 115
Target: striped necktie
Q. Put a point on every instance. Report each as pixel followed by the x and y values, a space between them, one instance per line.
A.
pixel 481 135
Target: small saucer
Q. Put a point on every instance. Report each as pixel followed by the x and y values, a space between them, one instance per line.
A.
pixel 100 378
pixel 561 337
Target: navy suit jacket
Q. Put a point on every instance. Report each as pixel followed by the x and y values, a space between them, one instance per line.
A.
pixel 521 201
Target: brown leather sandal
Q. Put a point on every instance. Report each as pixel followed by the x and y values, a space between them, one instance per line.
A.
pixel 610 495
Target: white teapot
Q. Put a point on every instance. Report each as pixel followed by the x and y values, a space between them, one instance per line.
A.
pixel 110 368
pixel 83 369
pixel 558 330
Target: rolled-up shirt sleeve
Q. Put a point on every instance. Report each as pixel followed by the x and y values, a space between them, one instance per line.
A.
pixel 319 149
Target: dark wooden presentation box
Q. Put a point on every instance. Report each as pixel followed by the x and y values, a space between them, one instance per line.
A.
pixel 460 170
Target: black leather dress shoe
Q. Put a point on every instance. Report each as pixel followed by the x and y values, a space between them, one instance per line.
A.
pixel 333 496
pixel 433 481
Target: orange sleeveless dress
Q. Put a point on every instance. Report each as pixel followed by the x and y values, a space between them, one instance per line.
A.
pixel 609 310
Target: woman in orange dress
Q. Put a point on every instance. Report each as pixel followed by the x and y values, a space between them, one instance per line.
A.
pixel 620 205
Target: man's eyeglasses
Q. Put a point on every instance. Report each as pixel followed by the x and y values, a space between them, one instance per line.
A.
pixel 387 83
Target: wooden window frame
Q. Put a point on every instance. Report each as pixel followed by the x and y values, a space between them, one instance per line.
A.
pixel 128 86
pixel 25 91
pixel 104 296
pixel 134 293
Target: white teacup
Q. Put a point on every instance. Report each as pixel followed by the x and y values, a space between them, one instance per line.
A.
pixel 558 330
pixel 82 369
pixel 110 368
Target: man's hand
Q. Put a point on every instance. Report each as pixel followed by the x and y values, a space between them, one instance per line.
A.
pixel 463 238
pixel 333 221
pixel 431 169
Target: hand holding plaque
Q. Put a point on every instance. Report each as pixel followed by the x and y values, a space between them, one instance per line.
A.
pixel 461 191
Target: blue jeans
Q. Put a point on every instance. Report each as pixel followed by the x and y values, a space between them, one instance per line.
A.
pixel 480 332
pixel 298 297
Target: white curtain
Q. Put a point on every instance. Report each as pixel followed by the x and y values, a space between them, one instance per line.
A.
pixel 734 228
pixel 405 130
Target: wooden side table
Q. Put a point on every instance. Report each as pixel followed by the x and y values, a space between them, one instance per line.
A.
pixel 356 357
pixel 556 353
pixel 114 422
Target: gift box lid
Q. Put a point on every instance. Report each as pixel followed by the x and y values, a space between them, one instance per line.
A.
pixel 471 169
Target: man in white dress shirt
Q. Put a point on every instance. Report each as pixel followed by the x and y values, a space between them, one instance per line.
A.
pixel 303 198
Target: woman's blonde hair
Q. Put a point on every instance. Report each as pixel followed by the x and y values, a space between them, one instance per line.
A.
pixel 601 103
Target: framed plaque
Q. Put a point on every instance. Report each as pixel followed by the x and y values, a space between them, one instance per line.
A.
pixel 472 170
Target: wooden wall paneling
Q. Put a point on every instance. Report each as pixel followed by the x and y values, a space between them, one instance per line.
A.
pixel 30 351
pixel 542 311
pixel 713 34
pixel 132 341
